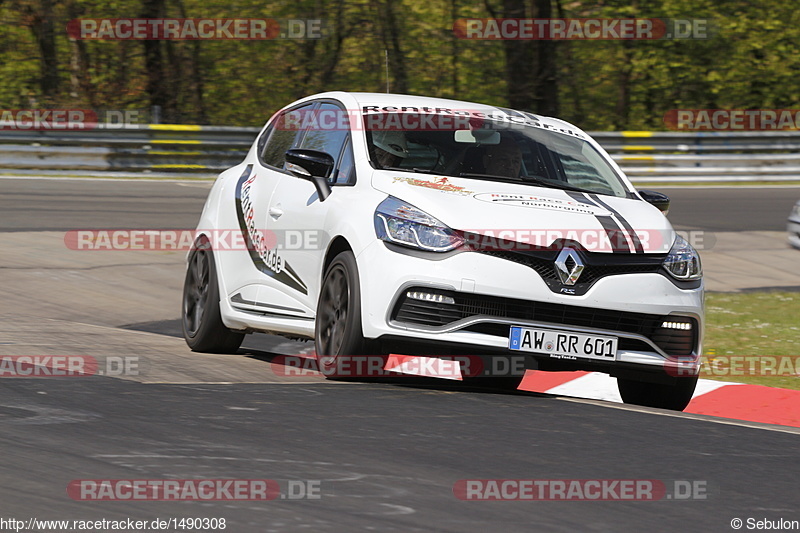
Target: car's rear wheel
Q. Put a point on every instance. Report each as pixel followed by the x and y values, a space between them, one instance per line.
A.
pixel 338 330
pixel 675 397
pixel 200 316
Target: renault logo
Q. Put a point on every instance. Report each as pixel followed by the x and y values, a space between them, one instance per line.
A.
pixel 569 266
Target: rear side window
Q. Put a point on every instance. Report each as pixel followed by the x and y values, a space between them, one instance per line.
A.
pixel 286 134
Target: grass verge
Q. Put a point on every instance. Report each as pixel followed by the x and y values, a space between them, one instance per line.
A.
pixel 763 325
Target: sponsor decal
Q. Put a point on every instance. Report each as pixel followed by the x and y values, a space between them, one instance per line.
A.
pixel 440 184
pixel 265 258
pixel 502 117
pixel 540 202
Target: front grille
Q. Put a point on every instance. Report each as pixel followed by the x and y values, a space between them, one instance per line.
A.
pixel 430 313
pixel 597 265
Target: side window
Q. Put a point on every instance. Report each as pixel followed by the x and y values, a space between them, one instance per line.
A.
pixel 345 173
pixel 287 132
pixel 328 133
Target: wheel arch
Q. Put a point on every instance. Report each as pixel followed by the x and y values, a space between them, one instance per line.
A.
pixel 338 245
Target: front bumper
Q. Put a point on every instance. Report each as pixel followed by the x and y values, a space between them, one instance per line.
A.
pixel 490 294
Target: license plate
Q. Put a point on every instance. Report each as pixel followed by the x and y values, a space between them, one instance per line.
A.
pixel 563 344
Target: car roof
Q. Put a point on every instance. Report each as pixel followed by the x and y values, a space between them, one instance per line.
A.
pixel 361 100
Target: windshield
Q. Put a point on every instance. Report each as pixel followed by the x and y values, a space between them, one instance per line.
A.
pixel 496 151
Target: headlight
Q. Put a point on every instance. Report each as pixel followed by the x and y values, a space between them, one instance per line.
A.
pixel 402 223
pixel 683 261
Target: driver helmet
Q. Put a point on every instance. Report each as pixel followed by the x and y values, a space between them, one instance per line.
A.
pixel 393 142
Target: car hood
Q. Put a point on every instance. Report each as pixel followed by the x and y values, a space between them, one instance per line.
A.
pixel 536 216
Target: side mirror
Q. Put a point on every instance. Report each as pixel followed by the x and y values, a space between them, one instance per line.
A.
pixel 658 199
pixel 311 165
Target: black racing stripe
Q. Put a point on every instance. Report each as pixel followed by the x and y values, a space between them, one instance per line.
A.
pixel 510 112
pixel 637 244
pixel 531 116
pixel 613 231
pixel 618 238
pixel 579 197
pixel 619 241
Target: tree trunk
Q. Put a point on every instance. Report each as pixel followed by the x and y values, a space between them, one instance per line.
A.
pixel 391 42
pixel 38 16
pixel 454 49
pixel 196 77
pixel 547 73
pixel 156 84
pixel 520 62
pixel 82 87
pixel 623 96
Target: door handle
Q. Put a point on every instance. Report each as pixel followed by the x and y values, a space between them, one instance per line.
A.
pixel 275 212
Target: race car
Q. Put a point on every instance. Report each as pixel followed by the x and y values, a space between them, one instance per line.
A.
pixel 793 226
pixel 380 224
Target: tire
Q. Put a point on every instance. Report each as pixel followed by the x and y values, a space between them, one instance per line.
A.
pixel 675 397
pixel 338 330
pixel 200 316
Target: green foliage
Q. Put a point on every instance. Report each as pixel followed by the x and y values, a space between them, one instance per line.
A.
pixel 750 62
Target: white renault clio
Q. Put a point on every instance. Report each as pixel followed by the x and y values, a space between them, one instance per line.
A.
pixel 381 223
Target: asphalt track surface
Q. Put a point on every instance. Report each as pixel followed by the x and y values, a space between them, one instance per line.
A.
pixel 385 455
pixel 58 204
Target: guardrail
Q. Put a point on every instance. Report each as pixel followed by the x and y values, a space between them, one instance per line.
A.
pixel 147 148
pixel 206 150
pixel 705 156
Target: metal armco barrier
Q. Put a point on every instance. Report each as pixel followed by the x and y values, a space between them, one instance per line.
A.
pixel 206 150
pixel 705 156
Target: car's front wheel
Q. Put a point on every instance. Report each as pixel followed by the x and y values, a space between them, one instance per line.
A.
pixel 200 316
pixel 338 330
pixel 675 397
